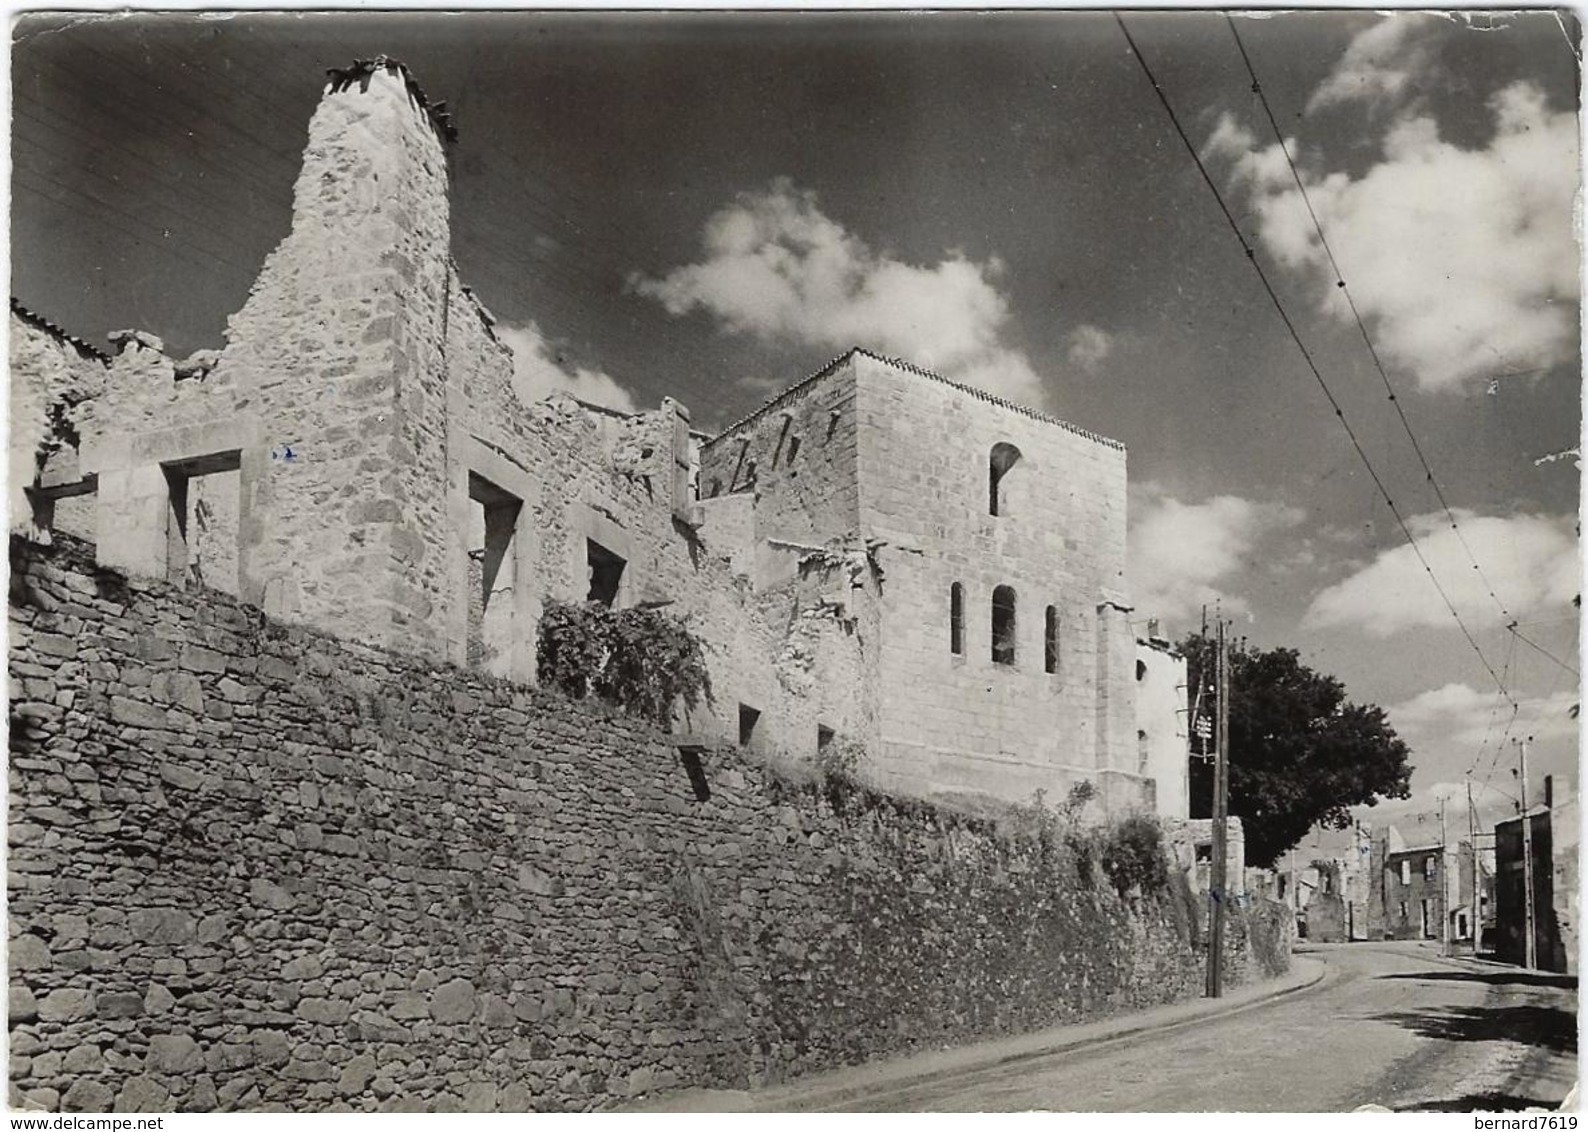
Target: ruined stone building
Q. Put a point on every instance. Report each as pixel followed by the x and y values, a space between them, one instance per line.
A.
pixel 877 554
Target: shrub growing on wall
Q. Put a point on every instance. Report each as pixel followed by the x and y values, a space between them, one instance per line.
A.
pixel 1133 856
pixel 641 660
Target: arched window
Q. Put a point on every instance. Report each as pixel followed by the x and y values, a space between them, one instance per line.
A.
pixel 1141 671
pixel 1003 625
pixel 999 462
pixel 956 619
pixel 1050 641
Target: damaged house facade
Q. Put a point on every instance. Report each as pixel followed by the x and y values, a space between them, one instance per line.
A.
pixel 877 555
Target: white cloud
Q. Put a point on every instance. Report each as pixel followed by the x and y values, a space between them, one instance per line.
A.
pixel 1379 65
pixel 537 373
pixel 1181 555
pixel 778 268
pixel 1530 560
pixel 1465 718
pixel 1464 261
pixel 1089 346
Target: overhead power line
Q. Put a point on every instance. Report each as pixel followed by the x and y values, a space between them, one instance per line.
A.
pixel 1541 651
pixel 1295 335
pixel 1361 325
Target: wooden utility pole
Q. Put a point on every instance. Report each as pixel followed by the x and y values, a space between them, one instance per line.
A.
pixel 1476 905
pixel 1221 787
pixel 1444 884
pixel 1530 944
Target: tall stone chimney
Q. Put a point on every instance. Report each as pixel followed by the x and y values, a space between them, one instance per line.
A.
pixel 339 350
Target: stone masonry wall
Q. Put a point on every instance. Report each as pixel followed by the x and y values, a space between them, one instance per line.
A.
pixel 964 724
pixel 255 867
pixel 53 378
pixel 796 455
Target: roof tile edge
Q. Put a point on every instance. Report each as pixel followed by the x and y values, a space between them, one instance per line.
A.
pixel 57 332
pixel 783 397
pixel 910 367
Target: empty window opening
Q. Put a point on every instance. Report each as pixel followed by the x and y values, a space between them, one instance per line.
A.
pixel 1141 671
pixel 1204 854
pixel 1002 459
pixel 824 737
pixel 492 572
pixel 956 619
pixel 696 770
pixel 748 718
pixel 1141 752
pixel 1003 625
pixel 204 497
pixel 606 573
pixel 716 487
pixel 1403 911
pixel 1050 640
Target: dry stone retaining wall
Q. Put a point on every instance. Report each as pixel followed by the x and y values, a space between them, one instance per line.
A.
pixel 254 867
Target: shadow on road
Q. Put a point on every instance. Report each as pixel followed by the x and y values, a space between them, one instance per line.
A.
pixel 1483 1102
pixel 1494 978
pixel 1543 1027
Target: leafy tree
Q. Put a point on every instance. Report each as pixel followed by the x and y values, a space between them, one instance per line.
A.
pixel 1301 754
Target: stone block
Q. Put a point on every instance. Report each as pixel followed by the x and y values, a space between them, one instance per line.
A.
pixel 120 1004
pixel 268 894
pixel 303 967
pixel 86 1095
pixel 135 713
pixel 158 1000
pixel 21 1006
pixel 176 1054
pixel 356 1075
pixel 453 1002
pixel 161 925
pixel 197 658
pixel 27 952
pixel 67 1004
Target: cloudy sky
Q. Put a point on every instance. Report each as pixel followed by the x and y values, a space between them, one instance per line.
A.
pixel 712 206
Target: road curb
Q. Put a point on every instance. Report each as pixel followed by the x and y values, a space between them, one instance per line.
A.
pixel 1217 1008
pixel 793 1097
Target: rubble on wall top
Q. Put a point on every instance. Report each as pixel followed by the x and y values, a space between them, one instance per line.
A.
pixel 57 332
pixel 910 367
pixel 341 79
pixel 120 338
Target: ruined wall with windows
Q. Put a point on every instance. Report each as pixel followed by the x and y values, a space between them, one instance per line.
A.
pixel 356 458
pixel 1002 653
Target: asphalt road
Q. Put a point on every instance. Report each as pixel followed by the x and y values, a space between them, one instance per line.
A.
pixel 1390 1025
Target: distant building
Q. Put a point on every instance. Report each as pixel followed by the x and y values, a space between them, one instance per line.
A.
pixel 1161 722
pixel 1416 891
pixel 1555 881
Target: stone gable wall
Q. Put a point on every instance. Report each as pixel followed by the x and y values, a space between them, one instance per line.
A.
pixel 803 451
pixel 254 867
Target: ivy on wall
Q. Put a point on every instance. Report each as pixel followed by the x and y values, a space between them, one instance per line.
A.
pixel 640 660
